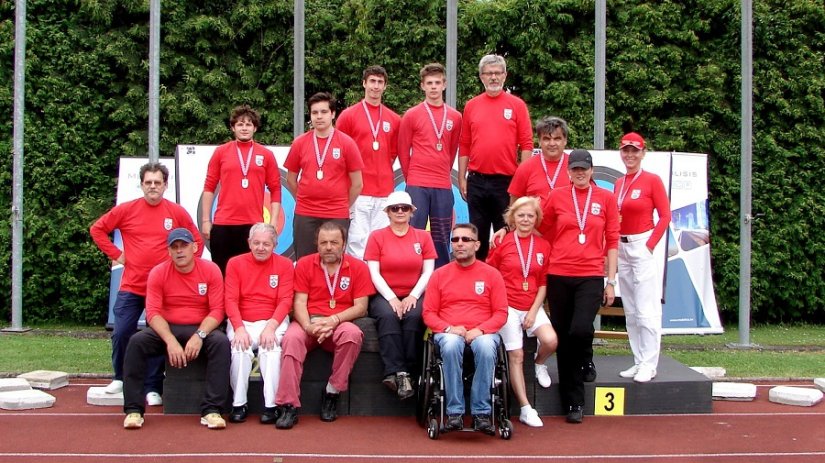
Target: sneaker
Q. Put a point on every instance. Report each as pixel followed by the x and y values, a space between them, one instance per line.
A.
pixel 270 415
pixel 213 421
pixel 133 421
pixel 153 399
pixel 329 402
pixel 288 418
pixel 630 372
pixel 391 382
pixel 238 414
pixel 483 423
pixel 530 417
pixel 589 372
pixel 575 414
pixel 454 423
pixel 644 375
pixel 115 387
pixel 405 389
pixel 542 376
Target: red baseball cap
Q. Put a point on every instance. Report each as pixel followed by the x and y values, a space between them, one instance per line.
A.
pixel 632 139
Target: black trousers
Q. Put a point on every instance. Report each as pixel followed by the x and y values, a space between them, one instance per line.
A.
pixel 228 241
pixel 303 233
pixel 400 341
pixel 487 199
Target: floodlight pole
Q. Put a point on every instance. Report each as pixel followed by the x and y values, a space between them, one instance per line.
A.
pixel 298 68
pixel 599 78
pixel 154 80
pixel 452 56
pixel 745 173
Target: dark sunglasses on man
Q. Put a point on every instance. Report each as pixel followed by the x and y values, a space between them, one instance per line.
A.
pixel 463 239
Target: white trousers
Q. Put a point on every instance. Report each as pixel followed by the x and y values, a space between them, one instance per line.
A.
pixel 641 289
pixel 366 215
pixel 269 362
pixel 511 332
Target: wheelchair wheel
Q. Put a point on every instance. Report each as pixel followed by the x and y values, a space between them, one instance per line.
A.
pixel 432 429
pixel 426 388
pixel 506 429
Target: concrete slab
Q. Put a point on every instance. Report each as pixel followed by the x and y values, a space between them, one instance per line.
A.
pixel 820 383
pixel 46 379
pixel 800 396
pixel 25 400
pixel 711 372
pixel 99 396
pixel 14 384
pixel 734 391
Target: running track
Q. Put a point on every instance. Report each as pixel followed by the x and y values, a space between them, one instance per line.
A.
pixel 75 432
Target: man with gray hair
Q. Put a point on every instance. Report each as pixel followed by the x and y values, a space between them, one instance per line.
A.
pixel 496 134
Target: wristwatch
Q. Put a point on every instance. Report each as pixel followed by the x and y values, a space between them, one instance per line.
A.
pixel 447 329
pixel 201 334
pixel 612 283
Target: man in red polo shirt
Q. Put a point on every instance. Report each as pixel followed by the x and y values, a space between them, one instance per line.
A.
pixel 331 290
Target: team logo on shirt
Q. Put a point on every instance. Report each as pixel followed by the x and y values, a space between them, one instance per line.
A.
pixel 273 281
pixel 508 113
pixel 259 160
pixel 167 223
pixel 540 258
pixel 387 126
pixel 595 208
pixel 202 289
pixel 344 283
pixel 635 194
pixel 417 247
pixel 479 287
pixel 336 153
pixel 449 124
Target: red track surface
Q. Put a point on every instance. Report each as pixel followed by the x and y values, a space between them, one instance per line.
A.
pixel 75 432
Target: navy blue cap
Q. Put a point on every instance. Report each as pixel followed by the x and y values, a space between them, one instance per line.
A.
pixel 179 234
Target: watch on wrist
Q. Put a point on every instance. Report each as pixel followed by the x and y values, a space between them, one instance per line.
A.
pixel 612 283
pixel 201 334
pixel 447 329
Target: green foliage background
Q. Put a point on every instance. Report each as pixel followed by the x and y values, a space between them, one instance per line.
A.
pixel 673 74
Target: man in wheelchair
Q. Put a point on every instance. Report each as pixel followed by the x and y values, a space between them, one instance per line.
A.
pixel 466 304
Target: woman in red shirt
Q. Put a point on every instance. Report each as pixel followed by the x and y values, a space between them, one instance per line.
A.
pixel 522 260
pixel 401 259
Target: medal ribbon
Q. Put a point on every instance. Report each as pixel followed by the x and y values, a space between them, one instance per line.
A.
pixel 622 192
pixel 438 133
pixel 525 266
pixel 552 182
pixel 581 217
pixel 373 128
pixel 244 167
pixel 318 156
pixel 332 284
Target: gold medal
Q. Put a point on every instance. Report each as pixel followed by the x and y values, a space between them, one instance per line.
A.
pixel 375 145
pixel 320 174
pixel 332 303
pixel 525 286
pixel 620 218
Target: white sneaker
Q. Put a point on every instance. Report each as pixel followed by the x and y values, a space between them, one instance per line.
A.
pixel 543 376
pixel 133 421
pixel 115 387
pixel 644 375
pixel 530 417
pixel 153 399
pixel 630 372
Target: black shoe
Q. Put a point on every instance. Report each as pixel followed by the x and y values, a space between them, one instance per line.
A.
pixel 238 414
pixel 391 381
pixel 288 417
pixel 405 389
pixel 483 423
pixel 575 414
pixel 589 372
pixel 328 403
pixel 454 423
pixel 270 415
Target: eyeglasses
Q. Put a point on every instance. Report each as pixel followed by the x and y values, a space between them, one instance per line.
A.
pixel 401 208
pixel 463 239
pixel 492 74
pixel 153 182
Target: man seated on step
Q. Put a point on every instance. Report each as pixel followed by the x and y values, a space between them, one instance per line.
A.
pixel 184 306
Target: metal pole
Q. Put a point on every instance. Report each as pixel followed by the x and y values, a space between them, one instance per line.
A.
pixel 298 70
pixel 452 57
pixel 154 79
pixel 599 78
pixel 17 176
pixel 745 175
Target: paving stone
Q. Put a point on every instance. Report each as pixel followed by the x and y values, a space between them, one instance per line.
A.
pixel 820 383
pixel 25 400
pixel 789 395
pixel 99 396
pixel 711 372
pixel 45 379
pixel 734 391
pixel 14 384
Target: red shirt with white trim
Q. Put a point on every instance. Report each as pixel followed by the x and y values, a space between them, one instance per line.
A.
pixel 422 163
pixel 238 205
pixel 472 296
pixel 494 131
pixel 378 172
pixel 258 290
pixel 530 179
pixel 401 258
pixel 353 282
pixel 143 228
pixel 185 298
pixel 640 199
pixel 328 197
pixel 505 258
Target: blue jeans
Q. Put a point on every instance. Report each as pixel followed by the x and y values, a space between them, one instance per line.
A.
pixel 435 204
pixel 127 310
pixel 484 350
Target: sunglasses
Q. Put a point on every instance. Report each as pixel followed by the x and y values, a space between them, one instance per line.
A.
pixel 400 208
pixel 463 239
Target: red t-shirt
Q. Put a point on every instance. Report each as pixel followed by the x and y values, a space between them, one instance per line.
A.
pixel 472 296
pixel 494 131
pixel 505 258
pixel 640 199
pixel 422 163
pixel 144 229
pixel 258 290
pixel 185 298
pixel 530 178
pixel 328 197
pixel 568 256
pixel 353 282
pixel 238 205
pixel 401 258
pixel 377 173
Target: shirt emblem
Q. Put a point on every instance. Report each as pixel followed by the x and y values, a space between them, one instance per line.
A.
pixel 508 113
pixel 595 208
pixel 449 124
pixel 417 247
pixel 479 287
pixel 259 160
pixel 167 224
pixel 540 258
pixel 344 285
pixel 635 194
pixel 336 153
pixel 387 126
pixel 202 289
pixel 273 281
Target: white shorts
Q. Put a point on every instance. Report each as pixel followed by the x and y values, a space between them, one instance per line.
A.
pixel 511 332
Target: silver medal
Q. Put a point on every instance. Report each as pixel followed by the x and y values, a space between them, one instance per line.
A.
pixel 320 174
pixel 581 238
pixel 245 183
pixel 438 146
pixel 375 145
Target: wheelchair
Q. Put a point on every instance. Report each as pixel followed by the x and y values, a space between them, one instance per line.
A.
pixel 431 399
